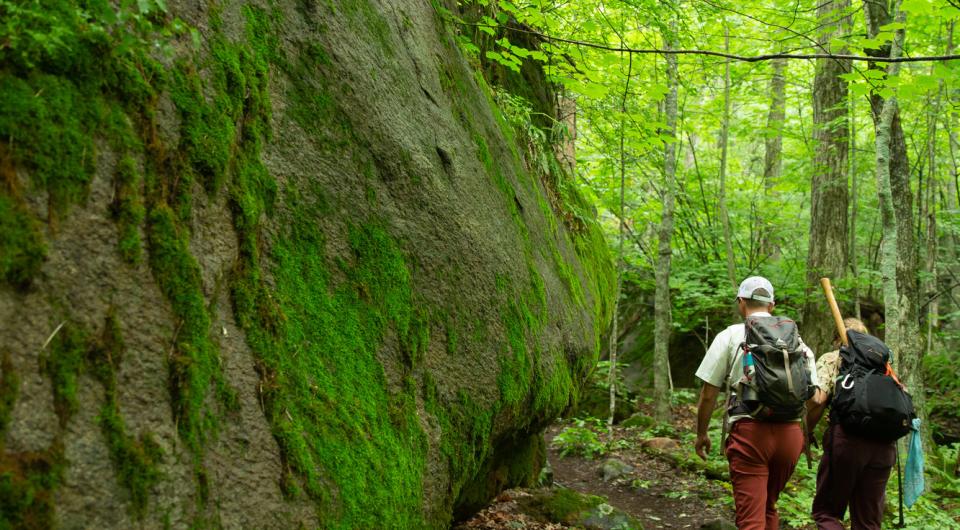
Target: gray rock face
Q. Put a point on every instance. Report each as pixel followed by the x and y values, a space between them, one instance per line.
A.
pixel 614 468
pixel 406 311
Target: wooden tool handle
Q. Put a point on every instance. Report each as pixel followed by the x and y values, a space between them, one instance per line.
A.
pixel 837 318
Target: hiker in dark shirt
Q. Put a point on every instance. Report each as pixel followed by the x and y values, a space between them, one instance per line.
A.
pixel 853 470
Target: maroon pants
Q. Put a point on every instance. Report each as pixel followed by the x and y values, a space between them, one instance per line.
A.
pixel 762 457
pixel 854 472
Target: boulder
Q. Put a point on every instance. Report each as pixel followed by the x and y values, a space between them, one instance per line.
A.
pixel 661 444
pixel 614 468
pixel 562 505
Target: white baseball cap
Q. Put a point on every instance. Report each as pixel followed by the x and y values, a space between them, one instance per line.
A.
pixel 750 286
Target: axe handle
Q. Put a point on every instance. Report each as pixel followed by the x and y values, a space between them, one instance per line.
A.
pixel 837 319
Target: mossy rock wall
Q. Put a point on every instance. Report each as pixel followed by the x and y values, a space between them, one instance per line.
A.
pixel 273 264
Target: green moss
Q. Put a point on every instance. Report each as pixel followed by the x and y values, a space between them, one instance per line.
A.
pixel 566 504
pixel 28 481
pixel 22 247
pixel 9 390
pixel 354 444
pixel 516 368
pixel 62 363
pixel 452 334
pixel 136 460
pixel 48 125
pixel 195 364
pixel 363 13
pixel 67 80
pixel 127 209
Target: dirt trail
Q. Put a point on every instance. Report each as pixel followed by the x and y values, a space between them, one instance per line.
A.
pixel 655 492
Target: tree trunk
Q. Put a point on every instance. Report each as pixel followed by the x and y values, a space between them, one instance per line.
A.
pixel 852 259
pixel 948 241
pixel 722 199
pixel 904 335
pixel 662 316
pixel 929 215
pixel 773 150
pixel 614 342
pixel 827 255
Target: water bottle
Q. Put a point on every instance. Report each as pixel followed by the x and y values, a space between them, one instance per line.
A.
pixel 748 368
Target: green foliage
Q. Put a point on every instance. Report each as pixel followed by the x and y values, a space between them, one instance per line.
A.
pixel 581 439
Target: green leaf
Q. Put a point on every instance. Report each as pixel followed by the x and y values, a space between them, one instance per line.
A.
pixel 859 89
pixel 539 56
pixel 917 7
pixel 893 26
pixel 874 74
pixel 144 6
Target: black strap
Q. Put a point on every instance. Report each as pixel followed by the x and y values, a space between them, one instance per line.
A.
pixel 896 447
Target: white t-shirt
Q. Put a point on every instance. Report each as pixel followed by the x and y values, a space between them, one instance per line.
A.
pixel 723 359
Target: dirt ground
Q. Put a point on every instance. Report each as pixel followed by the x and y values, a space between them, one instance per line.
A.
pixel 655 492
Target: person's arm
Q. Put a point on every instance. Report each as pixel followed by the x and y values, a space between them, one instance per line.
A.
pixel 705 406
pixel 815 407
pixel 826 371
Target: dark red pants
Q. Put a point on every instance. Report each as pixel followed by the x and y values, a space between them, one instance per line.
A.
pixel 854 472
pixel 762 457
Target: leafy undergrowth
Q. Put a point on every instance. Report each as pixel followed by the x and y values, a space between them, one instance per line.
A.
pixel 668 486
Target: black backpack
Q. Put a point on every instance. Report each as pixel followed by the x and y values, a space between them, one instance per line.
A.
pixel 778 384
pixel 868 400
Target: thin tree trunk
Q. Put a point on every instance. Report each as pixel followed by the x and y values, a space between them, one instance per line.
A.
pixel 722 199
pixel 827 254
pixel 662 316
pixel 614 342
pixel 906 339
pixel 773 150
pixel 854 206
pixel 948 241
pixel 930 216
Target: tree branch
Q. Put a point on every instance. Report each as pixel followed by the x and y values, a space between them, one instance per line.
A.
pixel 742 58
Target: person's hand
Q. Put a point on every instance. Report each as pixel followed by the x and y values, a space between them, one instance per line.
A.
pixel 702 446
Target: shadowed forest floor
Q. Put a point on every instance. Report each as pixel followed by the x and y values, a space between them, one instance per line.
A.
pixel 652 489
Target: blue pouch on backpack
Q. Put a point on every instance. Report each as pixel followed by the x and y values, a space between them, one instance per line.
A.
pixel 913 476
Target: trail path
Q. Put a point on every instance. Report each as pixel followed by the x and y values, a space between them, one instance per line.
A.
pixel 655 491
